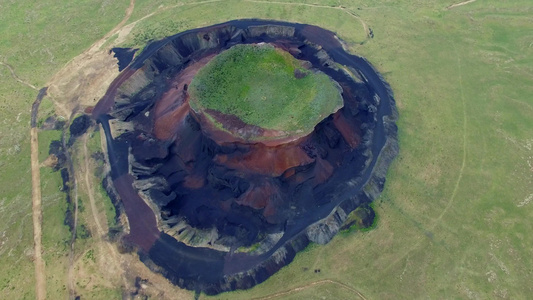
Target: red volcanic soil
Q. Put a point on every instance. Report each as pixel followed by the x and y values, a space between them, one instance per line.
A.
pixel 144 233
pixel 264 160
pixel 272 156
pixel 173 106
pixel 277 154
pixel 346 129
pixel 262 196
pixel 231 123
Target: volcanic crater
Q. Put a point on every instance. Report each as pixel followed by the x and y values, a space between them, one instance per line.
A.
pixel 218 202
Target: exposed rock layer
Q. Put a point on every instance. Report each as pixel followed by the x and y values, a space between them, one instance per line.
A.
pixel 211 198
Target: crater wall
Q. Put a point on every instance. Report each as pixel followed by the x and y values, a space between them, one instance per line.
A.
pixel 207 215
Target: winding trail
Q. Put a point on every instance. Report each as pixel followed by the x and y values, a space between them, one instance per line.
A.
pixel 36 197
pixel 75 64
pixel 461 171
pixel 37 213
pixel 312 284
pixel 451 200
pixel 94 48
pixel 20 80
pixel 15 76
pixel 340 7
pixel 88 185
pixel 96 45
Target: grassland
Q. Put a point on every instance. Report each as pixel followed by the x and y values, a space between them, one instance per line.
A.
pixel 36 39
pixel 257 84
pixel 455 216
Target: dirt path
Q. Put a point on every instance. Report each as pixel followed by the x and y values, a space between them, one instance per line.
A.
pixel 10 68
pixel 110 257
pixel 95 47
pixel 88 186
pixel 83 79
pixel 312 284
pixel 40 277
pixel 340 7
pixel 17 78
pixel 40 282
pixel 460 4
pixel 65 108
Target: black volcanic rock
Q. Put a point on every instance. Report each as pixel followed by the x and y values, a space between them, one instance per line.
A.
pixel 80 125
pixel 124 56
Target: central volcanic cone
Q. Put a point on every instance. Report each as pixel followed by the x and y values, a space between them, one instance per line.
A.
pixel 258 93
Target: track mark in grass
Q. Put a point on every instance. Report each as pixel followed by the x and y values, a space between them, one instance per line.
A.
pixel 340 7
pixel 15 76
pixel 460 4
pixel 314 283
pixel 522 103
pixel 459 177
pixel 405 267
pixel 458 182
pixel 525 201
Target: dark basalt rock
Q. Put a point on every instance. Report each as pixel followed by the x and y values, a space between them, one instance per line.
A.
pixel 56 149
pixel 80 125
pixel 211 198
pixel 124 56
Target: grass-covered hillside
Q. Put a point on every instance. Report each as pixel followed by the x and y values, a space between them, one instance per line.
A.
pixel 266 87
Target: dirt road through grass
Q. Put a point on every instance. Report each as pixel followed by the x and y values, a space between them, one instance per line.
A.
pixel 40 281
pixel 70 82
pixel 111 253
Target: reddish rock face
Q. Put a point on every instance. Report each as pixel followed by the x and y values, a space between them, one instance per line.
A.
pixel 265 160
pixel 275 155
pixel 172 108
